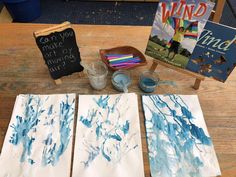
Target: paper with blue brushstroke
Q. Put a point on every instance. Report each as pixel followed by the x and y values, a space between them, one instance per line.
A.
pixel 38 142
pixel 108 139
pixel 178 141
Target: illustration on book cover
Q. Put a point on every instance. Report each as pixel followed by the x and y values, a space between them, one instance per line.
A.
pixel 213 55
pixel 176 28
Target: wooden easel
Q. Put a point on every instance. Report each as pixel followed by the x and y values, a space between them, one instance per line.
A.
pixel 57 28
pixel 216 18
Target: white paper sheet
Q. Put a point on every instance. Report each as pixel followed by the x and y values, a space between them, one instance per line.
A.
pixel 178 141
pixel 108 139
pixel 38 142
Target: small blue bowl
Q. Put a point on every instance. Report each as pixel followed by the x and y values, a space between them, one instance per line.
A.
pixel 148 81
pixel 121 80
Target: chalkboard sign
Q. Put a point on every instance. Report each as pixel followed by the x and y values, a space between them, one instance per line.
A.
pixel 60 52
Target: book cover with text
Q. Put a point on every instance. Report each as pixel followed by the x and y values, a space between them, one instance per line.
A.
pixel 214 54
pixel 176 28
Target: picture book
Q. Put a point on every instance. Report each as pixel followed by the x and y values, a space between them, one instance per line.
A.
pixel 176 28
pixel 213 55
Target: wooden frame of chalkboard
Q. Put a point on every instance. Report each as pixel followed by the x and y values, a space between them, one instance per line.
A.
pixel 60 51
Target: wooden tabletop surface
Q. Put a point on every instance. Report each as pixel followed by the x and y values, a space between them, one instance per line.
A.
pixel 22 70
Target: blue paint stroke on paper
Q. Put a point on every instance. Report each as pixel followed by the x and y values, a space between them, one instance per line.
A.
pixel 25 125
pixel 125 127
pixel 53 151
pixel 93 152
pixel 102 101
pixel 31 161
pixel 110 130
pixel 173 137
pixel 89 118
pixel 50 119
pixel 50 110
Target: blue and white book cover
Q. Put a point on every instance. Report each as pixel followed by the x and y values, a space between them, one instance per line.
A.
pixel 214 54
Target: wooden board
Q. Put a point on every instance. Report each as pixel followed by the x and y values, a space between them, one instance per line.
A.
pixel 22 70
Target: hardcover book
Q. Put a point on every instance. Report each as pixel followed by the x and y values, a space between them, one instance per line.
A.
pixel 176 28
pixel 214 54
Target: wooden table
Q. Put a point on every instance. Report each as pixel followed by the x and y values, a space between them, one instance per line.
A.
pixel 22 70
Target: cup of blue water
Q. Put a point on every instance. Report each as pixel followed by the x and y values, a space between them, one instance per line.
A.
pixel 148 81
pixel 121 80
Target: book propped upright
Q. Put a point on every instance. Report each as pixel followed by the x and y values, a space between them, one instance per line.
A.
pixel 176 28
pixel 214 54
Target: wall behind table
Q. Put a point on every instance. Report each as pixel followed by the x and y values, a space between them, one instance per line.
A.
pixel 126 0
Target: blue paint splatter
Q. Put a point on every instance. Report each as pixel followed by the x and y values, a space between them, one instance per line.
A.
pixel 26 124
pixel 181 137
pixel 110 133
pixel 102 101
pixel 99 131
pixel 115 137
pixel 93 153
pixel 48 140
pixel 112 108
pixel 125 127
pixel 88 120
pixel 50 110
pixel 52 151
pixel 49 121
pixel 104 154
pixel 31 161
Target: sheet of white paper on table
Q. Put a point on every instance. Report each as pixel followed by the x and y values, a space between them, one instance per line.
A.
pixel 38 141
pixel 108 138
pixel 178 141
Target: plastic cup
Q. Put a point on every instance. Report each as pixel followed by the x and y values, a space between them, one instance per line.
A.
pixel 121 80
pixel 97 74
pixel 148 81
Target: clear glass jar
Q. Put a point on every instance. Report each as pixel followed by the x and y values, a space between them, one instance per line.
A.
pixel 148 81
pixel 97 74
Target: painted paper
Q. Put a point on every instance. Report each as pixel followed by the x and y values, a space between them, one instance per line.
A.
pixel 38 142
pixel 108 140
pixel 178 141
